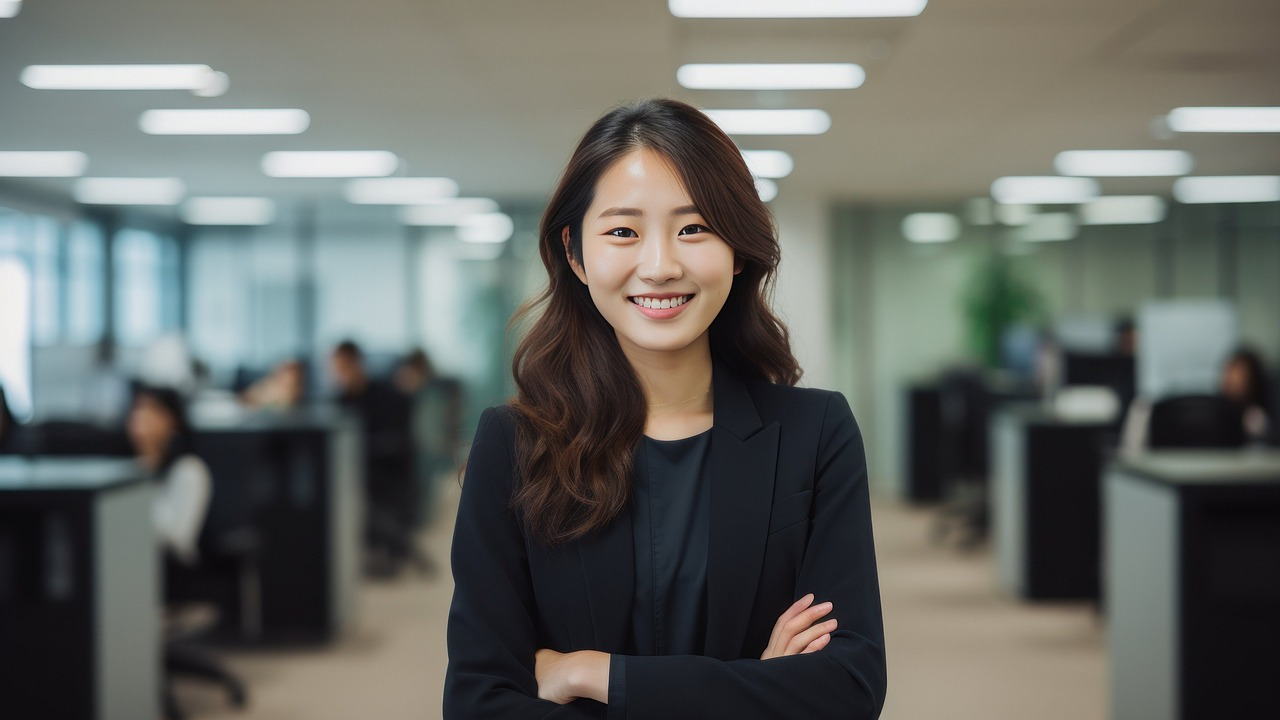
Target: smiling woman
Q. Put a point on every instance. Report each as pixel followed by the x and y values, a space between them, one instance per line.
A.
pixel 660 524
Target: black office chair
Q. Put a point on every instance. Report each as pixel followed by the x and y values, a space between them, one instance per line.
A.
pixel 1196 421
pixel 962 450
pixel 226 576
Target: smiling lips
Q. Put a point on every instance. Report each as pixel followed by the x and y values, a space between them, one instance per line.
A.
pixel 660 307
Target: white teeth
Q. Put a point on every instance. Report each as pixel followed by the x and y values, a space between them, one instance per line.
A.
pixel 655 304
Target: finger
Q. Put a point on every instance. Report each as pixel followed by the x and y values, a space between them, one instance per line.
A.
pixel 817 645
pixel 797 607
pixel 788 614
pixel 802 640
pixel 808 617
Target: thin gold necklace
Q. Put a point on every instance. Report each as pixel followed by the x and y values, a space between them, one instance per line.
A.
pixel 695 397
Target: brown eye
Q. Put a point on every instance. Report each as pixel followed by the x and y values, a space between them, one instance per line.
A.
pixel 694 229
pixel 622 232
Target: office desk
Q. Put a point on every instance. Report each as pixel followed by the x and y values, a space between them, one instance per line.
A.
pixel 79 596
pixel 1193 584
pixel 296 478
pixel 1046 472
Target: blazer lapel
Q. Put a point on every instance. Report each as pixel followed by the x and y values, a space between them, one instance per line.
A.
pixel 608 561
pixel 741 469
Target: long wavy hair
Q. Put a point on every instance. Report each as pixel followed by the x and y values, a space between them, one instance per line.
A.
pixel 580 407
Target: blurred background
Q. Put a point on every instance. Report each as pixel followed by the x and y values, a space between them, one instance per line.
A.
pixel 257 262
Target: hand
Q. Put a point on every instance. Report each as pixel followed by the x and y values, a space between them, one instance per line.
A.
pixel 798 631
pixel 564 677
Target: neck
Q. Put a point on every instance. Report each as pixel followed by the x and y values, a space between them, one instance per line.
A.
pixel 674 376
pixel 151 457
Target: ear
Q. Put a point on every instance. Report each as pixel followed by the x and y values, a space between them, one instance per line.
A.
pixel 738 265
pixel 568 255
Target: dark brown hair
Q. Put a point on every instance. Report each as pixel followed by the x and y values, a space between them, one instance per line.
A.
pixel 580 407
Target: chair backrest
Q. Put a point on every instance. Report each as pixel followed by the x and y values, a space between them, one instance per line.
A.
pixel 1196 421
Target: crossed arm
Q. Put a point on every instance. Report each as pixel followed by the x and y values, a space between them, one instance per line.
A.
pixel 565 677
pixel 810 668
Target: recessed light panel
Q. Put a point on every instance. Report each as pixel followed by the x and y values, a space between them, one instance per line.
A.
pixel 1043 190
pixel 795 8
pixel 771 122
pixel 400 191
pixel 57 163
pixel 1122 210
pixel 1123 163
pixel 775 76
pixel 1227 189
pixel 330 163
pixel 768 163
pixel 128 191
pixel 225 122
pixel 119 77
pixel 931 227
pixel 1224 119
pixel 228 211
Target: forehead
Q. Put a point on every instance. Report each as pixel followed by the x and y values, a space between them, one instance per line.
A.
pixel 642 179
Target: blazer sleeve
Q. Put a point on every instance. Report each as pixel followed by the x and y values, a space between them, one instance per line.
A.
pixel 846 679
pixel 491 634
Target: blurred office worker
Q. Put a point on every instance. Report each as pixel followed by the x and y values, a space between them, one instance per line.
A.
pixel 390 485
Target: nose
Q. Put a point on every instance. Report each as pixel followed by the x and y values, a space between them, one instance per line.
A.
pixel 658 261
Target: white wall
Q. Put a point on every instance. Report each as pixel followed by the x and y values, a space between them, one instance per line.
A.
pixel 802 294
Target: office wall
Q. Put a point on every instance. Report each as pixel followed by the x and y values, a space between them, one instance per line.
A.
pixel 897 312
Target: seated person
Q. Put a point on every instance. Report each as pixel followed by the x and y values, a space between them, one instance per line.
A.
pixel 390 487
pixel 282 389
pixel 1245 381
pixel 161 437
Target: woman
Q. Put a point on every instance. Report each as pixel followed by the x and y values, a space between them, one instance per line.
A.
pixel 660 525
pixel 161 438
pixel 1244 380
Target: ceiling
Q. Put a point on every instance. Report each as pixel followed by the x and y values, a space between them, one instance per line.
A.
pixel 494 93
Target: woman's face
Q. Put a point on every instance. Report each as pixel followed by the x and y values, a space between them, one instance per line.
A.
pixel 150 424
pixel 656 270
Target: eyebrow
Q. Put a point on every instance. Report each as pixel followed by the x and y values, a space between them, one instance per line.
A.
pixel 636 212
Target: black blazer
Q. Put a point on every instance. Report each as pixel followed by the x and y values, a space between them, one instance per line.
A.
pixel 790 515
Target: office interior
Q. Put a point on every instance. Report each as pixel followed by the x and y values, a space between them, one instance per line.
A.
pixel 1072 517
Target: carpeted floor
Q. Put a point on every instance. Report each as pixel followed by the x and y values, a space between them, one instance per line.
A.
pixel 958 649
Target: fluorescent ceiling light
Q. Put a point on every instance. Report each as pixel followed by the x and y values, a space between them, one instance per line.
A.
pixel 399 190
pixel 795 8
pixel 9 8
pixel 1049 227
pixel 330 163
pixel 774 76
pixel 58 163
pixel 228 211
pixel 1224 119
pixel 1046 190
pixel 768 163
pixel 1123 163
pixel 224 122
pixel 129 191
pixel 451 212
pixel 121 77
pixel 1122 210
pixel 931 227
pixel 1227 189
pixel 771 122
pixel 492 227
pixel 1014 214
pixel 766 189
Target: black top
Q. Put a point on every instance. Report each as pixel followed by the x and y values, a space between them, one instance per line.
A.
pixel 671 517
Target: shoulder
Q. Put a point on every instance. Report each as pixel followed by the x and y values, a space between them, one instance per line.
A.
pixel 791 404
pixel 189 476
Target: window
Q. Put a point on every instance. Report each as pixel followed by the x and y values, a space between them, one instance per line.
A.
pixel 138 295
pixel 85 294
